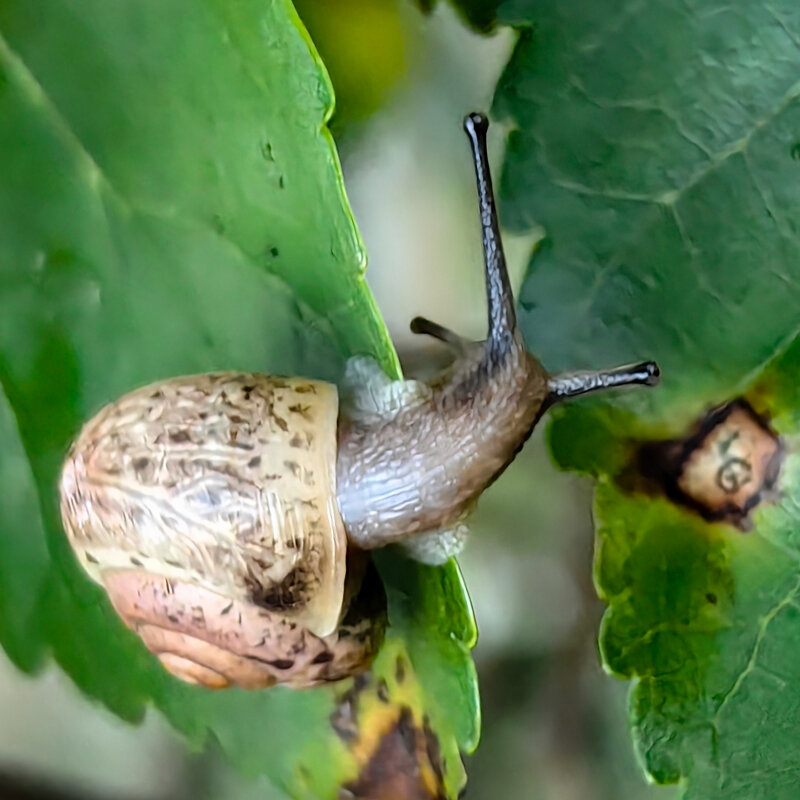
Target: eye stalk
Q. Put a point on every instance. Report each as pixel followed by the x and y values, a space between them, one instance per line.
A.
pixel 499 297
pixel 503 337
pixel 574 384
pixel 437 331
pixel 502 333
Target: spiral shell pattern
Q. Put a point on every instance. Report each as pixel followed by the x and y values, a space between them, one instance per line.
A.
pixel 206 506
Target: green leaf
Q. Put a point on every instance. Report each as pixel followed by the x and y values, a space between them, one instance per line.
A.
pixel 707 618
pixel 365 45
pixel 171 203
pixel 657 146
pixel 665 177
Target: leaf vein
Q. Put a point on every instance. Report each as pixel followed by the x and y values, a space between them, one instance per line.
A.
pixel 763 625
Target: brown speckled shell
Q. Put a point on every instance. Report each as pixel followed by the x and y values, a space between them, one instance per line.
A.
pixel 206 506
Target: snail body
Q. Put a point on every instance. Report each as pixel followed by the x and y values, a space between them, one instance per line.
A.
pixel 227 515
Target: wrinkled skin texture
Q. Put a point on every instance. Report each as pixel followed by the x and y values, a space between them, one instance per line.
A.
pixel 421 468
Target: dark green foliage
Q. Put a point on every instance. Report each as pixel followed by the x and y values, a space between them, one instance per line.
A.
pixel 656 143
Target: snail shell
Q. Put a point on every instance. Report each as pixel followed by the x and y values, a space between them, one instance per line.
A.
pixel 206 507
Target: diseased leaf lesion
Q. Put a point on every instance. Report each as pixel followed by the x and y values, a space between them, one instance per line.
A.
pixel 725 467
pixel 381 719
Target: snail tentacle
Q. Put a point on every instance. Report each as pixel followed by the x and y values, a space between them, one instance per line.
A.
pixel 575 384
pixel 499 297
pixel 427 327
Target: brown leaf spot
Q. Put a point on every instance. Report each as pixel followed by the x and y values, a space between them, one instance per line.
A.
pixel 727 464
pixel 400 669
pixel 344 722
pixel 344 719
pixel 401 768
pixel 433 749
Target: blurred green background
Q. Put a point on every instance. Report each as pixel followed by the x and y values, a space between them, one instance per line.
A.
pixel 553 723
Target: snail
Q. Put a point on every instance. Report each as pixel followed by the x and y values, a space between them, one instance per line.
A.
pixel 228 515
